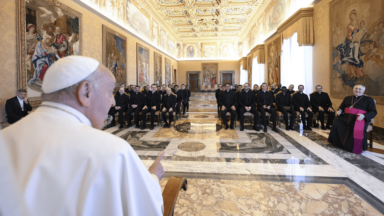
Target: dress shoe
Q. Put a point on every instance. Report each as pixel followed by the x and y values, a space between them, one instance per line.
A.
pixel 165 125
pixel 287 128
pixel 231 127
pixel 241 128
pixel 121 126
pixel 151 128
pixel 169 126
pixel 143 127
pixel 292 128
pixel 323 128
pixel 328 127
pixel 257 128
pixel 183 113
pixel 275 129
pixel 265 129
pixel 128 126
pixel 309 128
pixel 226 127
pixel 315 125
pixel 137 126
pixel 177 118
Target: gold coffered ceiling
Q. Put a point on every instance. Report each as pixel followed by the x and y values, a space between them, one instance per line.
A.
pixel 206 19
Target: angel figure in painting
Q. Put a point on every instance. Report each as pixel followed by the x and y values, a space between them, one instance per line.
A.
pixel 31 42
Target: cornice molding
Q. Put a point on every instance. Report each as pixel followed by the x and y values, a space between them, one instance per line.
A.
pixel 302 12
pixel 271 37
pixel 257 47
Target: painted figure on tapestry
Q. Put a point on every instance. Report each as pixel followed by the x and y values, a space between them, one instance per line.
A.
pixel 273 66
pixel 358 46
pixel 142 65
pixel 115 48
pixel 168 72
pixel 210 74
pixel 51 34
pixel 158 69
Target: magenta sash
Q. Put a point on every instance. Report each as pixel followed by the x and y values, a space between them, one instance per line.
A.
pixel 358 131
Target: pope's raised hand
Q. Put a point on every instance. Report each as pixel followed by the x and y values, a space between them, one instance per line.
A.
pixel 156 168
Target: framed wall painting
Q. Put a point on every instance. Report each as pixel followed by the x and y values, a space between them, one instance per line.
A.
pixel 142 65
pixel 158 68
pixel 210 71
pixel 115 54
pixel 168 71
pixel 46 31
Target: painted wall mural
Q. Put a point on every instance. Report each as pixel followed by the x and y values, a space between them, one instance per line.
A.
pixel 50 32
pixel 191 51
pixel 209 50
pixel 210 71
pixel 357 40
pixel 168 72
pixel 276 15
pixel 115 54
pixel 273 63
pixel 158 68
pixel 142 65
pixel 155 33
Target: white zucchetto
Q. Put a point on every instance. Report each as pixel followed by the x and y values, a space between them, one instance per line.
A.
pixel 68 71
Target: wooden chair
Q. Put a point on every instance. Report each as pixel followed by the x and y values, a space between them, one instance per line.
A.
pixel 171 192
pixel 250 116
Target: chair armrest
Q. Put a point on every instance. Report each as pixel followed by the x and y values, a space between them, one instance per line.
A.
pixel 171 192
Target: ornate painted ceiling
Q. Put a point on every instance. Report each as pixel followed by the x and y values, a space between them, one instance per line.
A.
pixel 207 19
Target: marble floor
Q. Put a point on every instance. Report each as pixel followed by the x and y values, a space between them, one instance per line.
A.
pixel 233 172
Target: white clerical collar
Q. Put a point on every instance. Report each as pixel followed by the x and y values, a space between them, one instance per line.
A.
pixel 264 91
pixel 70 111
pixel 246 91
pixel 301 92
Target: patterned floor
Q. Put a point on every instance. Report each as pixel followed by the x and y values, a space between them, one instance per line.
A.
pixel 233 172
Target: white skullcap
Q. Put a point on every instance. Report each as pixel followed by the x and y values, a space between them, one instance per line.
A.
pixel 68 71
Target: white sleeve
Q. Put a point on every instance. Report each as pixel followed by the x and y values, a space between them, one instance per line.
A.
pixel 156 178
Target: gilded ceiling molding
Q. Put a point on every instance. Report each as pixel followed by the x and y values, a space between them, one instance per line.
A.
pixel 300 22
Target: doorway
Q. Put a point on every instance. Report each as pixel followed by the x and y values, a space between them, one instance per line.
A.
pixel 193 82
pixel 227 78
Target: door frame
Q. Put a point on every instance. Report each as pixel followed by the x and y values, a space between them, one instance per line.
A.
pixel 229 71
pixel 198 79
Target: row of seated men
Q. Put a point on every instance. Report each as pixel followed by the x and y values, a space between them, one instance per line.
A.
pixel 149 99
pixel 260 101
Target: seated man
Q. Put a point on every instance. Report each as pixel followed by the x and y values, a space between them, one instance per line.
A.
pixel 152 102
pixel 255 88
pixel 122 101
pixel 169 103
pixel 17 107
pixel 217 96
pixel 273 89
pixel 239 90
pixel 321 103
pixel 136 105
pixel 247 103
pixel 301 104
pixel 284 105
pixel 228 103
pixel 355 113
pixel 179 99
pixel 290 89
pixel 185 97
pixel 265 104
pixel 163 90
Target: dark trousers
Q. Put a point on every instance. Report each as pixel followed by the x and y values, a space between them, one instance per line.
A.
pixel 255 113
pixel 113 111
pixel 136 115
pixel 308 121
pixel 178 108
pixel 224 116
pixel 285 116
pixel 144 115
pixel 263 117
pixel 185 104
pixel 164 114
pixel 331 116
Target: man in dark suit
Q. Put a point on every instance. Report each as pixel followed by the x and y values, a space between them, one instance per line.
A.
pixel 17 107
pixel 185 97
pixel 255 88
pixel 189 95
pixel 137 100
pixel 169 102
pixel 179 99
pixel 217 96
pixel 122 101
pixel 301 104
pixel 284 105
pixel 152 104
pixel 290 89
pixel 247 103
pixel 228 103
pixel 265 104
pixel 163 90
pixel 273 89
pixel 321 103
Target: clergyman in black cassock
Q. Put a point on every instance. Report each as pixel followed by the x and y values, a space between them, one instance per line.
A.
pixel 169 103
pixel 321 103
pixel 136 102
pixel 122 101
pixel 189 95
pixel 302 105
pixel 152 104
pixel 228 101
pixel 247 100
pixel 217 96
pixel 179 99
pixel 265 104
pixel 343 130
pixel 185 97
pixel 284 105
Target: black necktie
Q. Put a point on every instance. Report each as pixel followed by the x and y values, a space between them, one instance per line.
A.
pixel 246 97
pixel 265 99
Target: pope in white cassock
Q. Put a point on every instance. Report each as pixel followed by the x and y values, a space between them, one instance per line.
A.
pixel 63 164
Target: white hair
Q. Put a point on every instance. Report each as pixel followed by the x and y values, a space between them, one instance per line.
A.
pixel 363 87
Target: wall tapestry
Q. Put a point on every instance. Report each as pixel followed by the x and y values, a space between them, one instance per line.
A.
pixel 158 69
pixel 142 65
pixel 114 54
pixel 357 47
pixel 274 63
pixel 210 73
pixel 46 33
pixel 168 72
